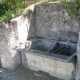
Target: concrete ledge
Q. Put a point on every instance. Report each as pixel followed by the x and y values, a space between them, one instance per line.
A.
pixel 55 68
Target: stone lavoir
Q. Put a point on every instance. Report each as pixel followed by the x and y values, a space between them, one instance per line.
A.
pixel 42 38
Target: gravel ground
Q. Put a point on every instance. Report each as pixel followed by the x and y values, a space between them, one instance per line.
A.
pixel 23 73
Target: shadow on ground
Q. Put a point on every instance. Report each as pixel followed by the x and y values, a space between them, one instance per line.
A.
pixel 23 73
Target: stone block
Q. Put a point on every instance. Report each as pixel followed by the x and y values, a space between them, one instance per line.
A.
pixel 53 67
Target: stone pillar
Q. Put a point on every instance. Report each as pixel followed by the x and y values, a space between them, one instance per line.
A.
pixel 10 58
pixel 78 59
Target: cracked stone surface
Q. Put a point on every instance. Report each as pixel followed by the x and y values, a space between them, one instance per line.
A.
pixel 23 73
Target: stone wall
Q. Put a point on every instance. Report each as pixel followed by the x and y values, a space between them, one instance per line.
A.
pixel 8 40
pixel 26 24
pixel 47 20
pixel 12 37
pixel 53 22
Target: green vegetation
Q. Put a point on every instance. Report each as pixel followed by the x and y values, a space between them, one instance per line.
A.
pixel 11 8
pixel 7 16
pixel 3 9
pixel 73 8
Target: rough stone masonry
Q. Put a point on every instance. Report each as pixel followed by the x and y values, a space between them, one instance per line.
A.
pixel 41 20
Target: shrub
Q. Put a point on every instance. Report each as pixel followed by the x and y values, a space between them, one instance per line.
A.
pixel 74 8
pixel 3 9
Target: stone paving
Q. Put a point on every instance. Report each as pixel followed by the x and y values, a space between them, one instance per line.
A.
pixel 23 73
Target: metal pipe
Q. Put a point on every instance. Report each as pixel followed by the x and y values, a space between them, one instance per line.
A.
pixel 62 50
pixel 58 49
